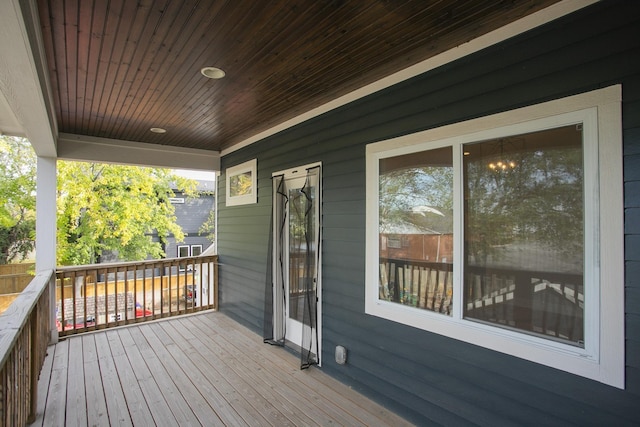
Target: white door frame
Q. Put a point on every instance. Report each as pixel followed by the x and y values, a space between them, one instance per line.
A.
pixel 278 316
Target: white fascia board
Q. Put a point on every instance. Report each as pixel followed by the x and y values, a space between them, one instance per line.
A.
pixel 501 34
pixel 104 150
pixel 20 83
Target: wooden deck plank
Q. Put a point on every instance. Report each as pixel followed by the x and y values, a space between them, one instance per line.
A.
pixel 97 414
pixel 285 365
pixel 139 411
pixel 180 373
pixel 176 401
pixel 355 404
pixel 294 387
pixel 162 415
pixel 43 386
pixel 257 384
pixel 114 395
pixel 54 414
pixel 207 380
pixel 202 369
pixel 209 369
pixel 247 398
pixel 261 380
pixel 76 396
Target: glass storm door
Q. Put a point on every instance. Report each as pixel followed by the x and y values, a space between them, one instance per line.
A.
pixel 297 260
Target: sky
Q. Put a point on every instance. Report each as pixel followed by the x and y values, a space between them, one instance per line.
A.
pixel 201 175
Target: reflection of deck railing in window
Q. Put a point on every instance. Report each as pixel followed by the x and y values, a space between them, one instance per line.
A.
pixel 550 304
pixel 422 284
pixel 545 303
pixel 105 295
pixel 300 270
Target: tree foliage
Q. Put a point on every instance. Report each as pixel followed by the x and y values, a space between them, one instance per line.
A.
pixel 240 185
pixel 115 208
pixel 534 208
pixel 417 197
pixel 17 198
pixel 539 202
pixel 208 227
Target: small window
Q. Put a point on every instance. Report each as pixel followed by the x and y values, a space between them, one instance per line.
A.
pixel 183 251
pixel 503 231
pixel 196 250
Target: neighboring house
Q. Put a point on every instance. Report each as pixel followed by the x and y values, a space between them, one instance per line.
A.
pixel 191 213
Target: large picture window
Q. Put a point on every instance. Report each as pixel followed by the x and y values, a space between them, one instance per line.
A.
pixel 499 232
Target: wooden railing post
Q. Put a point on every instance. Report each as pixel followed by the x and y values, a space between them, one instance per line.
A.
pixel 33 365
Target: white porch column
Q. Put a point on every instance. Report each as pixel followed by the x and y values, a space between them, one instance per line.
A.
pixel 46 227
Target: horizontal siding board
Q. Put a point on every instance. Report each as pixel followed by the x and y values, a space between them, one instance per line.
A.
pixel 428 378
pixel 342 234
pixel 632 194
pixel 341 292
pixel 431 350
pixel 633 378
pixel 473 400
pixel 633 344
pixel 632 248
pixel 343 220
pixel 631 141
pixel 247 249
pixel 348 192
pixel 632 302
pixel 632 167
pixel 351 208
pixel 632 221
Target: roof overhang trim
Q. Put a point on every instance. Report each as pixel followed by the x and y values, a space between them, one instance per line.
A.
pixel 104 150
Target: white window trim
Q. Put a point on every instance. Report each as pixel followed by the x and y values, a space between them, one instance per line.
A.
pixel 603 357
pixel 250 167
pixel 188 251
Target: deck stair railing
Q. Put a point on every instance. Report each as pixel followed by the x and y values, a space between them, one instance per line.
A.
pixel 99 296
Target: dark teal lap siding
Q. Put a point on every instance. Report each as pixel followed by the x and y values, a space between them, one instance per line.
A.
pixel 428 378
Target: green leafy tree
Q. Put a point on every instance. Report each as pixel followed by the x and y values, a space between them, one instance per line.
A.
pixel 540 201
pixel 240 185
pixel 417 197
pixel 208 228
pixel 115 208
pixel 17 199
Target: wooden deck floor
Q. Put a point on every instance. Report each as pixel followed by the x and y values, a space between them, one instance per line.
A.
pixel 196 370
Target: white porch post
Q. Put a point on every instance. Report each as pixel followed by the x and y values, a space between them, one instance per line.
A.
pixel 46 227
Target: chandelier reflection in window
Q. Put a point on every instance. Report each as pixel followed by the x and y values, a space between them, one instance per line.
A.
pixel 501 161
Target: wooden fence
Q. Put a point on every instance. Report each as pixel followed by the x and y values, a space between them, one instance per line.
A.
pixel 14 278
pixel 24 337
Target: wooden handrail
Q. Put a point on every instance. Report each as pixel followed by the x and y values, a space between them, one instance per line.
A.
pixel 24 337
pixel 99 296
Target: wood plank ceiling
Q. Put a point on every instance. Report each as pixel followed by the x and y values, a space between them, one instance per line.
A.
pixel 121 67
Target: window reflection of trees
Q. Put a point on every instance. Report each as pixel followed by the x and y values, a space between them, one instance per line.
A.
pixel 536 207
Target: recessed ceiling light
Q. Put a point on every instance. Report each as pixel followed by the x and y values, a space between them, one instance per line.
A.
pixel 158 130
pixel 212 72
